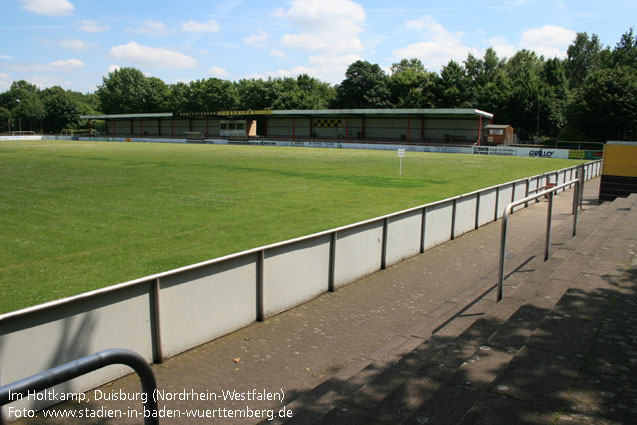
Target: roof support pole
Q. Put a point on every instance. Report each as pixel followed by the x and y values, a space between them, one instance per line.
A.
pixel 141 128
pixel 131 126
pixel 363 127
pixel 347 129
pixel 479 129
pixel 422 129
pixel 293 127
pixel 88 122
pixel 207 126
pixel 172 128
pixel 408 127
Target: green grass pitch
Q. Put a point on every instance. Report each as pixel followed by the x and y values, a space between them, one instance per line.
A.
pixel 77 216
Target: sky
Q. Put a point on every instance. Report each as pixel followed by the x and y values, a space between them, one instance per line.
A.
pixel 76 43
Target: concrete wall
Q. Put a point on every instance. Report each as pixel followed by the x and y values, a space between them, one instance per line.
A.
pixel 465 214
pixel 358 252
pixel 161 315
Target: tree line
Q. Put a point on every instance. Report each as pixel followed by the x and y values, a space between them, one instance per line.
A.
pixel 589 95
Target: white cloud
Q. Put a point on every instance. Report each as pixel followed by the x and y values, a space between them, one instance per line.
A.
pixel 67 65
pixel 258 39
pixel 150 27
pixel 278 54
pixel 439 46
pixel 192 26
pixel 326 25
pixel 502 47
pixel 138 54
pixel 44 82
pixel 6 57
pixel 114 68
pixel 48 7
pixel 217 71
pixel 88 25
pixel 76 45
pixel 549 40
pixel 5 81
pixel 327 68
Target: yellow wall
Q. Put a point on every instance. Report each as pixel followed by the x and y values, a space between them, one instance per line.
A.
pixel 620 160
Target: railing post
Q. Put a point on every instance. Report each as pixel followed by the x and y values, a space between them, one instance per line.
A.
pixel 260 289
pixel 497 201
pixel 503 238
pixel 575 207
pixel 477 225
pixel 157 345
pixel 383 258
pixel 453 219
pixel 423 230
pixel 332 262
pixel 548 227
pixel 581 190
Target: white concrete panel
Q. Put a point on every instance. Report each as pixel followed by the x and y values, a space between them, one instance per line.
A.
pixel 465 215
pixel 52 337
pixel 534 183
pixel 506 192
pixel 438 224
pixel 520 193
pixel 295 273
pixel 200 305
pixel 358 253
pixel 403 236
pixel 561 178
pixel 487 206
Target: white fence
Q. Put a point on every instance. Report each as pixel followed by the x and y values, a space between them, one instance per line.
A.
pixel 162 315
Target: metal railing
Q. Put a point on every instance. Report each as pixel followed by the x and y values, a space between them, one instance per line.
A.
pixel 577 201
pixel 57 375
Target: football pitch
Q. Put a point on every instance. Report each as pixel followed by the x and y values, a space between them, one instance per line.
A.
pixel 77 216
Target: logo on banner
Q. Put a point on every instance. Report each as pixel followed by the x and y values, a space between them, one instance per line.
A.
pixel 542 153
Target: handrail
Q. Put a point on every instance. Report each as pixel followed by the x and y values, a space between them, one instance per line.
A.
pixel 577 198
pixel 84 365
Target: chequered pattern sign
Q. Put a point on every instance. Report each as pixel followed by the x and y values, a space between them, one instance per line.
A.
pixel 327 123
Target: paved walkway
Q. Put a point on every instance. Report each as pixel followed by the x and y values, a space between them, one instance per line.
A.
pixel 425 342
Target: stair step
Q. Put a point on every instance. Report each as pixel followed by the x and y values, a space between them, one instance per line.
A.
pixel 474 366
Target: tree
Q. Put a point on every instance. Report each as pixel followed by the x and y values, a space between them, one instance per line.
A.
pixel 302 92
pixel 605 107
pixel 625 53
pixel 257 94
pixel 365 86
pixel 554 97
pixel 582 58
pixel 128 90
pixel 29 112
pixel 411 85
pixel 524 101
pixel 62 110
pixel 452 88
pixel 5 119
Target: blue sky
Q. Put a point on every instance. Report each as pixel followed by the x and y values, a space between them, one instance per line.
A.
pixel 75 43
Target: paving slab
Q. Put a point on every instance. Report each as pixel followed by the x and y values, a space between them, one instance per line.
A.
pixel 496 409
pixel 539 377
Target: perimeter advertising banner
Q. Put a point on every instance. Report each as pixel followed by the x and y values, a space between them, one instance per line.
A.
pixel 538 152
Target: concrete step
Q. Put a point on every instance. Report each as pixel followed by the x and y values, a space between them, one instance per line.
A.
pixel 479 355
